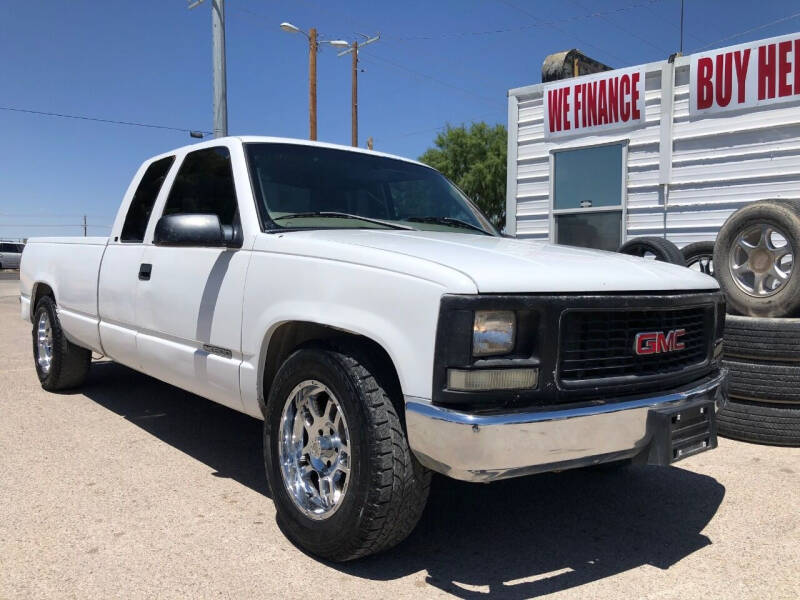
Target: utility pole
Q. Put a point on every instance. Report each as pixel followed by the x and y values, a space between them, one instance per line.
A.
pixel 354 93
pixel 354 96
pixel 218 65
pixel 313 47
pixel 312 83
pixel 84 225
pixel 220 76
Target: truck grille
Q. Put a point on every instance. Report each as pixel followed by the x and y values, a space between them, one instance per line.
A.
pixel 599 344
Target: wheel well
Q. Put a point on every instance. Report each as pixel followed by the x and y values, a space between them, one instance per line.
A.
pixel 40 290
pixel 290 336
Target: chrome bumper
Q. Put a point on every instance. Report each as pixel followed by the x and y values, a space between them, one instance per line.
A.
pixel 496 446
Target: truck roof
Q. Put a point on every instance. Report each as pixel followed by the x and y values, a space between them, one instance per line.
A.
pixel 245 139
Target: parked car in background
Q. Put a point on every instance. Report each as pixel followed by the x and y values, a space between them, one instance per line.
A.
pixel 370 314
pixel 10 254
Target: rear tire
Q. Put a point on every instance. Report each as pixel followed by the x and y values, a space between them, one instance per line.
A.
pixel 60 364
pixel 384 491
pixel 659 248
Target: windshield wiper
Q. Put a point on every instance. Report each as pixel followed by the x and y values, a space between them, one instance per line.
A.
pixel 453 222
pixel 341 215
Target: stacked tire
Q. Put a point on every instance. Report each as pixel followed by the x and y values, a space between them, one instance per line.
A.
pixel 753 260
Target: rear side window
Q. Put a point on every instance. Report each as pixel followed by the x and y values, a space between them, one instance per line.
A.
pixel 143 200
pixel 204 185
pixel 5 248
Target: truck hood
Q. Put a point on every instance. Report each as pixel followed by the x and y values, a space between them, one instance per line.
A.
pixel 505 265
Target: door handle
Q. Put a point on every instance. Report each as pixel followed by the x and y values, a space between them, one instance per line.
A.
pixel 144 271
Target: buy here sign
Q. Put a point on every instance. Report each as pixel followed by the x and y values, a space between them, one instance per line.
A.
pixel 747 75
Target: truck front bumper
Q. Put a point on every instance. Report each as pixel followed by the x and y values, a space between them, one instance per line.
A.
pixel 485 447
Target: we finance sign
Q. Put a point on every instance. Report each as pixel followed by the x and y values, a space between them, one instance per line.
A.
pixel 595 103
pixel 747 75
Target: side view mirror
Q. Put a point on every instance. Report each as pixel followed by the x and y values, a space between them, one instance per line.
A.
pixel 195 230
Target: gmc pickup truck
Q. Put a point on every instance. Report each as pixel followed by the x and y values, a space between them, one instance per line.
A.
pixel 372 317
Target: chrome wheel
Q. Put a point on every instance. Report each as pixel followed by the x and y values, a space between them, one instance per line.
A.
pixel 44 342
pixel 761 260
pixel 314 449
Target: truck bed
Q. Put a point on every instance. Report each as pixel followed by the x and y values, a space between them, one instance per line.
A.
pixel 71 265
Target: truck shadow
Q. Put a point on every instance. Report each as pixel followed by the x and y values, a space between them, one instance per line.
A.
pixel 519 538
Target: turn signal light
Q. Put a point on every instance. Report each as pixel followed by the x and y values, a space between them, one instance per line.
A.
pixel 483 380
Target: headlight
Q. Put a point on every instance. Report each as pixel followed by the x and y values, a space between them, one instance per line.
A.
pixel 493 332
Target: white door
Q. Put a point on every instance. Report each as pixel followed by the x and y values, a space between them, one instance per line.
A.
pixel 119 270
pixel 189 308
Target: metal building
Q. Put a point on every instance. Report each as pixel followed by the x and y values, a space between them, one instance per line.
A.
pixel 667 148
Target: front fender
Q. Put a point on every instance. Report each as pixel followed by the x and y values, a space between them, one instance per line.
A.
pixel 397 311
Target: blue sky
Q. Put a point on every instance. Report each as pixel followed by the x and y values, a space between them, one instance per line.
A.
pixel 149 61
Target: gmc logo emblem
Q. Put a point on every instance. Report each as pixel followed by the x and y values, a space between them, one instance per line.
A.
pixel 656 342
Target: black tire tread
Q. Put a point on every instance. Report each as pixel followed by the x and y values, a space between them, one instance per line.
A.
pixel 762 338
pixel 668 251
pixel 70 363
pixel 764 382
pixel 771 424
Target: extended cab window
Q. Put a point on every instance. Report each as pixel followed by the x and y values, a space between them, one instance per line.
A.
pixel 143 200
pixel 204 185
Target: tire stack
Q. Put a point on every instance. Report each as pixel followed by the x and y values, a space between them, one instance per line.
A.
pixel 753 260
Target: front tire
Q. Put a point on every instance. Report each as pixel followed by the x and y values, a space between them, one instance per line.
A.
pixel 344 481
pixel 60 364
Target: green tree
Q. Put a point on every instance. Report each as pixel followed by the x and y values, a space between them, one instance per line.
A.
pixel 475 160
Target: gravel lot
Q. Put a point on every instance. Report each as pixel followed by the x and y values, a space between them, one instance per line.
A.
pixel 132 488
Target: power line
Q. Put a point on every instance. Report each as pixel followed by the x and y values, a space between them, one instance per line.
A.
pixel 624 30
pixel 539 23
pixel 373 56
pixel 764 26
pixel 96 119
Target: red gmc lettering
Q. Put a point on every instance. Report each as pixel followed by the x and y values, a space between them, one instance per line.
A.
pixel 656 342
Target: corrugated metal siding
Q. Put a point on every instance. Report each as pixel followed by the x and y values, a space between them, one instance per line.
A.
pixel 722 162
pixel 719 163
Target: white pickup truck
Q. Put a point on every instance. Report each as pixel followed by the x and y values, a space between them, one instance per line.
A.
pixel 370 314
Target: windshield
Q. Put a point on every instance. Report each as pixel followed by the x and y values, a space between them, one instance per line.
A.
pixel 308 187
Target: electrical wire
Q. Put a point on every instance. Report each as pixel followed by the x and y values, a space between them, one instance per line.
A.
pixel 764 26
pixel 98 120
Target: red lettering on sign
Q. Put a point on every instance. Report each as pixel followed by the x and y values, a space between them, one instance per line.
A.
pixel 592 102
pixel 613 105
pixel 705 91
pixel 565 107
pixel 602 107
pixel 742 61
pixel 797 66
pixel 635 97
pixel 766 71
pixel 576 105
pixel 554 109
pixel 784 68
pixel 724 80
pixel 624 92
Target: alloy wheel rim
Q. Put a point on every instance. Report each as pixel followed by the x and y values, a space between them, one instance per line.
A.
pixel 314 450
pixel 44 343
pixel 704 263
pixel 760 267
